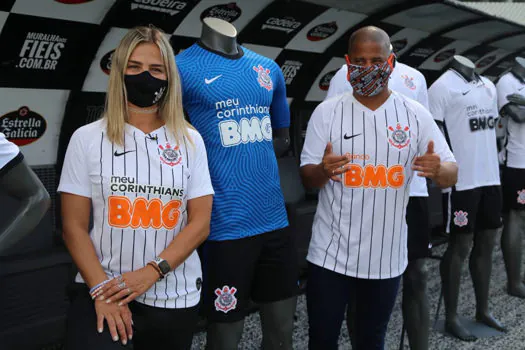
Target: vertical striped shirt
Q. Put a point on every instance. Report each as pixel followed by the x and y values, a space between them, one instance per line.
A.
pixel 359 228
pixel 139 195
pixel 406 81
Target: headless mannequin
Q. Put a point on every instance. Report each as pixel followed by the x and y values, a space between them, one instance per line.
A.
pixel 514 220
pixel 277 317
pixel 20 182
pixel 221 36
pixel 480 259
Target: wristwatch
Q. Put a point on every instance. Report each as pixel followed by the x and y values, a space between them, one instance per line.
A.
pixel 163 265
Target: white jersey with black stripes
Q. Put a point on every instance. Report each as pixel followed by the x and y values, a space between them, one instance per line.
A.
pixel 359 227
pixel 139 194
pixel 406 81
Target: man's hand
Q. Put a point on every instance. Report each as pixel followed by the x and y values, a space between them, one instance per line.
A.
pixel 429 164
pixel 334 165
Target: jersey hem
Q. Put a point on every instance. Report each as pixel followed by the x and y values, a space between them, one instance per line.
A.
pixel 201 194
pixel 66 188
pixel 366 276
pixel 229 237
pixel 471 187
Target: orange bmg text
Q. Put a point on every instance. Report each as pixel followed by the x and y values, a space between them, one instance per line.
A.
pixel 374 176
pixel 142 213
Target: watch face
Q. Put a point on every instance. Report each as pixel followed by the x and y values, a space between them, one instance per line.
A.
pixel 164 267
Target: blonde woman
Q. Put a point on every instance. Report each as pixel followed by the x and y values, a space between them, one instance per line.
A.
pixel 143 172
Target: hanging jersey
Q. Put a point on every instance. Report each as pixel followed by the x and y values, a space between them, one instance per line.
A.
pixel 405 80
pixel 139 194
pixel 469 113
pixel 508 84
pixel 10 154
pixel 359 227
pixel 234 102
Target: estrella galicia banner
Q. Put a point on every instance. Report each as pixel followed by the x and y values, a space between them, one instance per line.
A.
pixel 43 53
pixel 165 14
pixel 297 67
pixel 278 23
pixel 30 121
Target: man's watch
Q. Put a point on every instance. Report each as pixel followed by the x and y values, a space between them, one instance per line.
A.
pixel 163 265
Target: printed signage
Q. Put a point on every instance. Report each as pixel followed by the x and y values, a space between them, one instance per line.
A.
pixel 89 11
pixel 28 119
pixel 165 14
pixel 43 53
pixel 278 23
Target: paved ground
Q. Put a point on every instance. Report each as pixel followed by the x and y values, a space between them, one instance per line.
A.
pixel 509 310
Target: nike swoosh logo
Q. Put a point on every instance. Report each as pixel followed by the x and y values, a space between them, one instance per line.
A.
pixel 521 88
pixel 466 92
pixel 349 137
pixel 117 154
pixel 209 81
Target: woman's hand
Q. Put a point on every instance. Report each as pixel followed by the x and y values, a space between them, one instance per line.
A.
pixel 118 319
pixel 124 289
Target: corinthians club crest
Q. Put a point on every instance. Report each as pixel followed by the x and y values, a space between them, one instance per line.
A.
pixel 521 197
pixel 170 155
pixel 263 77
pixel 399 136
pixel 226 299
pixel 409 82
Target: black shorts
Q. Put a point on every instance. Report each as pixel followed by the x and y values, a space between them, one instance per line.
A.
pixel 262 268
pixel 513 185
pixel 473 210
pixel 418 237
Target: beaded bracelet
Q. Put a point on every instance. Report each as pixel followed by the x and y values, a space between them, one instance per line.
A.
pixel 101 284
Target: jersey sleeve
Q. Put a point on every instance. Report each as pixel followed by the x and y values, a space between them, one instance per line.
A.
pixel 279 110
pixel 504 88
pixel 9 153
pixel 438 96
pixel 75 171
pixel 200 182
pixel 431 132
pixel 316 135
pixel 339 84
pixel 422 94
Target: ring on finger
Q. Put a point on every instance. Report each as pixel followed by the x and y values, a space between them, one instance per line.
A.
pixel 129 291
pixel 333 172
pixel 122 285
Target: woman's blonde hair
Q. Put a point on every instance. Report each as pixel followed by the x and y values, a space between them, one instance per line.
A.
pixel 170 107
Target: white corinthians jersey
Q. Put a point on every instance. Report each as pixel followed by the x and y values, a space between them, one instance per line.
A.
pixel 508 84
pixel 8 151
pixel 359 227
pixel 469 112
pixel 139 194
pixel 405 80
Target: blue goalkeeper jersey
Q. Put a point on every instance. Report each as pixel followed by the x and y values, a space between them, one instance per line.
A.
pixel 235 102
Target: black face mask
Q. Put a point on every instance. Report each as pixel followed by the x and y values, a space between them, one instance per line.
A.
pixel 144 90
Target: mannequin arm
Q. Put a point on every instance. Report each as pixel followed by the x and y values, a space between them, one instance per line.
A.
pixel 281 141
pixel 515 112
pixel 21 182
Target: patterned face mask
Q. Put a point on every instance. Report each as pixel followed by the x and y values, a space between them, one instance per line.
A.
pixel 369 81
